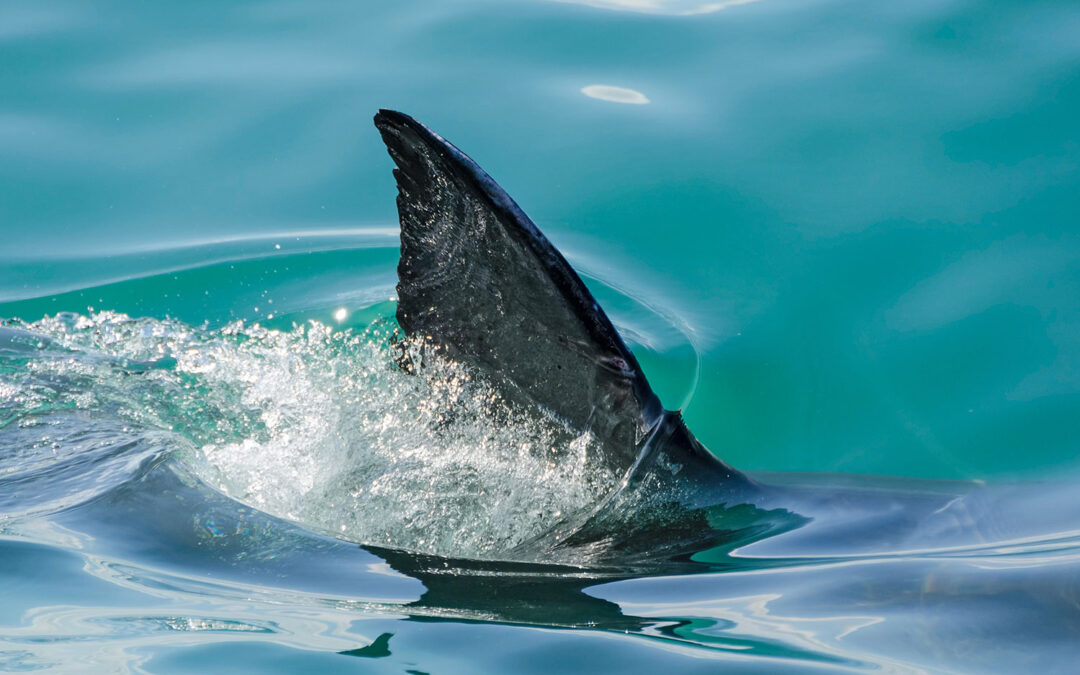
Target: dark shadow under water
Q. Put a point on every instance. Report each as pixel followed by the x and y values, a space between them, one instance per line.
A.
pixel 165 521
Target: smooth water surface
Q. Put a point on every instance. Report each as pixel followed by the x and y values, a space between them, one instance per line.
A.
pixel 841 236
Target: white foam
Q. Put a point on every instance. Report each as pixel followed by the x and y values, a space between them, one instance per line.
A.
pixel 323 428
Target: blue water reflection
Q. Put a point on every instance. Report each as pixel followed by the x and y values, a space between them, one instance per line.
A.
pixel 842 236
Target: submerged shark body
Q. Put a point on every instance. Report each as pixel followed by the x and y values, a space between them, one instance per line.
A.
pixel 480 284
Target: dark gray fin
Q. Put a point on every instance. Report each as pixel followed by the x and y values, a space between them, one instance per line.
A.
pixel 479 280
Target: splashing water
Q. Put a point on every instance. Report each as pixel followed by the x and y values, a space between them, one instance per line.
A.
pixel 320 427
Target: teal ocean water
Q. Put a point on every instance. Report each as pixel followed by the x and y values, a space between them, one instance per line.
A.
pixel 843 237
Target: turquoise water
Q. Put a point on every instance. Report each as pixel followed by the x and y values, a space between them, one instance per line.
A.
pixel 842 236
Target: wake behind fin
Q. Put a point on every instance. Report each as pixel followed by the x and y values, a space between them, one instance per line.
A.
pixel 479 280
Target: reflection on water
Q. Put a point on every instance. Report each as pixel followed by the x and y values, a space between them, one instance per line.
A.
pixel 677 7
pixel 195 568
pixel 842 234
pixel 820 573
pixel 607 92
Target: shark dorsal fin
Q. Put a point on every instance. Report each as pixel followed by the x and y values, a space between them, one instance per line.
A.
pixel 478 279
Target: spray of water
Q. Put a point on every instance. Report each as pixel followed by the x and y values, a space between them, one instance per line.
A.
pixel 324 428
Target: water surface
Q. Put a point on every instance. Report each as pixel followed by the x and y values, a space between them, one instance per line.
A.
pixel 842 236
